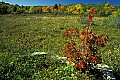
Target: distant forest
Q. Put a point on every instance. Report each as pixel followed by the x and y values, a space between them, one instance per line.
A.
pixel 82 9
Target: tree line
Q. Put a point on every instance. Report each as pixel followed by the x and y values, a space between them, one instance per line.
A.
pixel 102 9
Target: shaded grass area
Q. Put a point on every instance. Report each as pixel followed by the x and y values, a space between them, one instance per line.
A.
pixel 28 33
pixel 27 67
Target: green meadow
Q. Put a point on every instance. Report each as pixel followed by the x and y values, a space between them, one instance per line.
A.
pixel 23 34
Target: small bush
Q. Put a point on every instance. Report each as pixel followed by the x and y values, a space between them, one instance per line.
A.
pixel 114 20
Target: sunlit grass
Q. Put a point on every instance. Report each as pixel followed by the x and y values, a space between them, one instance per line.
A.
pixel 43 32
pixel 29 33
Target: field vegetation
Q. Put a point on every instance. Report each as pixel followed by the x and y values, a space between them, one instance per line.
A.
pixel 21 35
pixel 24 32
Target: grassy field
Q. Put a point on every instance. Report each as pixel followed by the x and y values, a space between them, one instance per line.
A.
pixel 28 33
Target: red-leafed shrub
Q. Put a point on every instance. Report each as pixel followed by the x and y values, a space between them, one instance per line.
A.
pixel 82 49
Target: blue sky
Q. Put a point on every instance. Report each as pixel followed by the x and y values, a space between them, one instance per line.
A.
pixel 52 2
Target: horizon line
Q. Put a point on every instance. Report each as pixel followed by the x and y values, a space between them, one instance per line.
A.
pixel 56 3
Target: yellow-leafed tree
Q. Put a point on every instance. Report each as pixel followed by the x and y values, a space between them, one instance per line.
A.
pixel 31 10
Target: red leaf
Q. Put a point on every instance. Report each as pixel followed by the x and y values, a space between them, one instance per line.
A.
pixel 76 30
pixel 89 55
pixel 83 32
pixel 70 30
pixel 67 34
pixel 100 43
pixel 70 61
pixel 90 17
pixel 76 49
pixel 82 41
pixel 80 65
pixel 90 23
pixel 92 11
pixel 69 46
pixel 94 59
pixel 89 20
pixel 84 54
pixel 64 52
pixel 87 34
pixel 72 42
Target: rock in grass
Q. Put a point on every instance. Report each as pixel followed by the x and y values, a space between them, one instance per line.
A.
pixel 106 71
pixel 107 75
pixel 58 57
pixel 39 53
pixel 102 66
